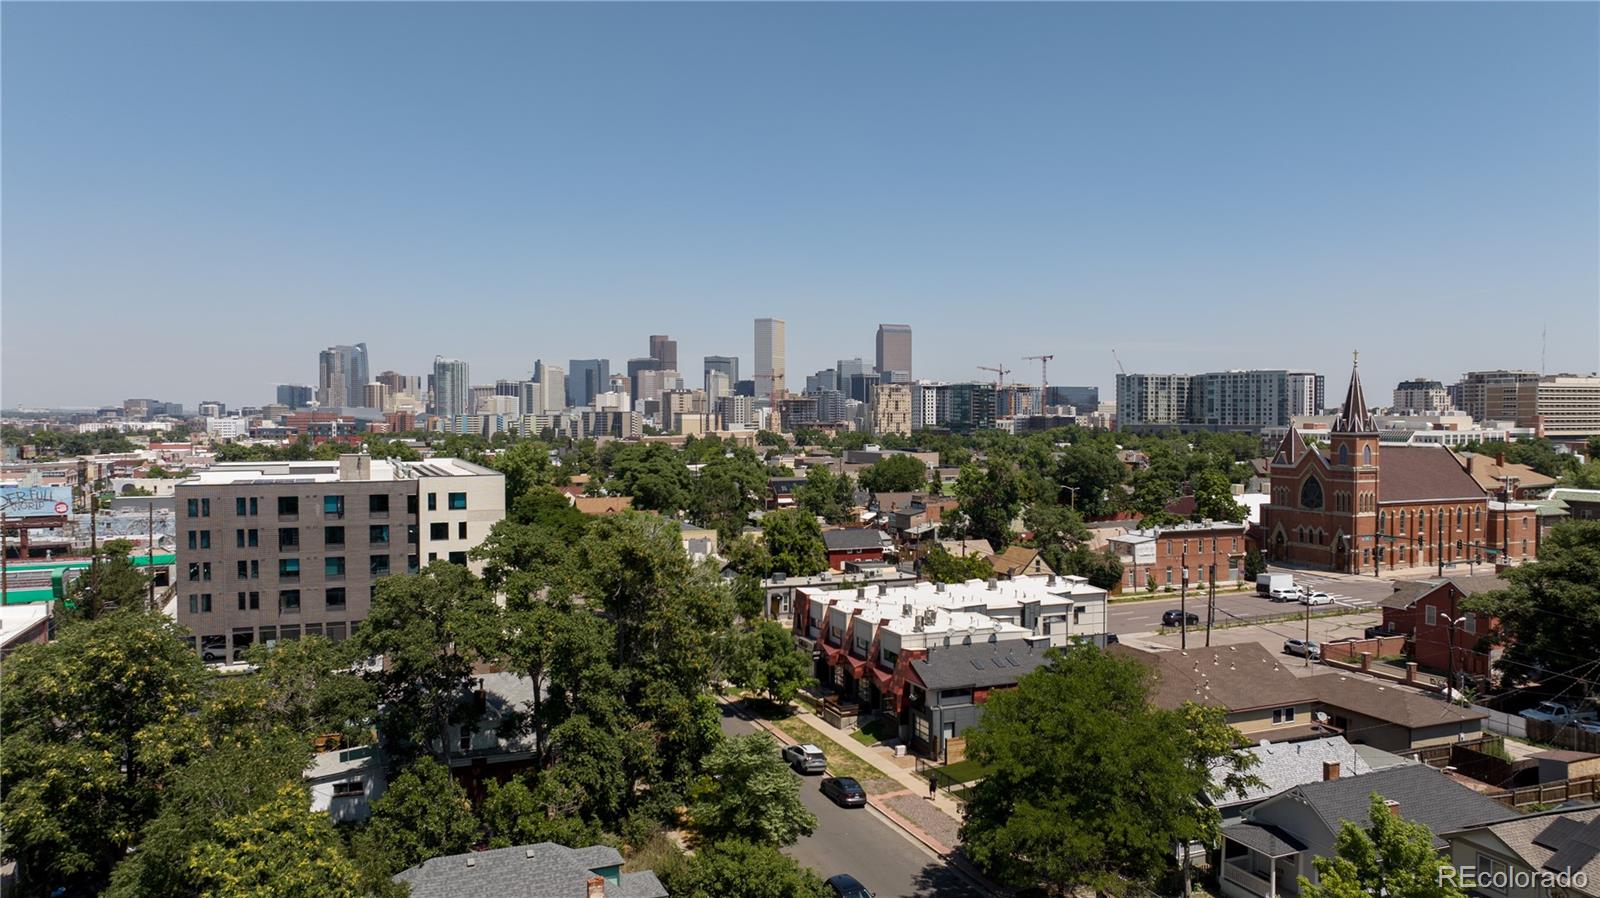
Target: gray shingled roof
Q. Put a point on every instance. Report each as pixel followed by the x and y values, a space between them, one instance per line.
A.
pixel 545 870
pixel 1284 765
pixel 1264 838
pixel 1392 703
pixel 1425 795
pixel 979 666
pixel 852 539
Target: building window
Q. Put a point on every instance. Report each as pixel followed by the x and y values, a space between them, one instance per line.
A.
pixel 378 534
pixel 205 570
pixel 458 558
pixel 348 789
pixel 411 504
pixel 1430 615
pixel 288 600
pixel 288 538
pixel 1344 455
pixel 288 569
pixel 1366 455
pixel 433 501
pixel 333 566
pixel 333 536
pixel 333 506
pixel 411 564
pixel 458 501
pixel 1469 623
pixel 192 508
pixel 378 503
pixel 205 603
pixel 243 569
pixel 461 529
pixel 288 506
pixel 239 506
pixel 335 598
pixel 269 635
pixel 380 565
pixel 1492 875
pixel 1311 493
pixel 439 530
pixel 194 571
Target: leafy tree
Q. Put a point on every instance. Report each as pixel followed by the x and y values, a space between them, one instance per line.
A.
pixel 738 868
pixel 1152 490
pixel 773 440
pixel 941 566
pixel 527 810
pixel 1391 856
pixel 768 661
pixel 282 849
pixel 95 722
pixel 726 490
pixel 431 627
pixel 111 582
pixel 422 814
pixel 526 465
pixel 1097 475
pixel 989 501
pixel 826 495
pixel 752 564
pixel 794 542
pixel 651 473
pixel 1089 785
pixel 226 781
pixel 1213 497
pixel 307 686
pixel 550 510
pixel 895 474
pixel 1056 532
pixel 1549 612
pixel 1539 454
pixel 1254 565
pixel 749 793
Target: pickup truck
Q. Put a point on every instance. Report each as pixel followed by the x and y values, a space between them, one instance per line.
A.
pixel 1559 713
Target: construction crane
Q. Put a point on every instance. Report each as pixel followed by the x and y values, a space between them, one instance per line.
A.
pixel 1044 371
pixel 1119 362
pixel 1000 373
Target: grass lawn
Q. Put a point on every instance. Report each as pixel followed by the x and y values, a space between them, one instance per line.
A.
pixel 960 772
pixel 840 761
pixel 875 731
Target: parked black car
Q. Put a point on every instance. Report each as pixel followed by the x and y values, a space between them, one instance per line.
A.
pixel 1176 618
pixel 1380 630
pixel 844 791
pixel 846 886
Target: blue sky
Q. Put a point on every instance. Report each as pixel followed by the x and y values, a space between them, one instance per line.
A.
pixel 198 197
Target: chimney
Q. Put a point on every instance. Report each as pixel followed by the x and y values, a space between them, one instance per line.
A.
pixel 597 887
pixel 1393 806
pixel 1501 458
pixel 994 583
pixel 883 589
pixel 1330 771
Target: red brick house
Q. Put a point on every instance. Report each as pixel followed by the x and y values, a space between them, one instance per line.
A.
pixel 1430 613
pixel 1360 504
pixel 853 544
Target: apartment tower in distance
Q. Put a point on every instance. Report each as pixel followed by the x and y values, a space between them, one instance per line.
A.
pixel 452 389
pixel 770 359
pixel 726 365
pixel 894 352
pixel 342 374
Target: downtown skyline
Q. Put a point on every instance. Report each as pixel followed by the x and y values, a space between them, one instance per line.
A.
pixel 1197 187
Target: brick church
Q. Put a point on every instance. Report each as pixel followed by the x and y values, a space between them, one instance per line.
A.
pixel 1358 503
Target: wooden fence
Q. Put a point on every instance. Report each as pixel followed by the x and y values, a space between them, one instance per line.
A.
pixel 1580 789
pixel 1564 736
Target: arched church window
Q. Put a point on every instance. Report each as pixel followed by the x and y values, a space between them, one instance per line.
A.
pixel 1311 493
pixel 1366 455
pixel 1344 454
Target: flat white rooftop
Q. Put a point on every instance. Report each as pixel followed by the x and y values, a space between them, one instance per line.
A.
pixel 381 470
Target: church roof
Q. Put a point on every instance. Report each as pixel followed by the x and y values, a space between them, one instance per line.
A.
pixel 1354 417
pixel 1290 450
pixel 1423 474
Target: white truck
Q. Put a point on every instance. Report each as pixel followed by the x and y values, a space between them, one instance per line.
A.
pixel 1560 714
pixel 1276 585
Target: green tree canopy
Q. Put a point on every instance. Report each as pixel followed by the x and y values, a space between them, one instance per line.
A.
pixel 895 474
pixel 1549 612
pixel 748 792
pixel 1089 785
pixel 1213 497
pixel 111 582
pixel 794 542
pixel 422 814
pixel 826 495
pixel 1102 569
pixel 530 809
pixel 990 499
pixel 739 868
pixel 768 661
pixel 431 627
pixel 307 686
pixel 526 464
pixel 1056 532
pixel 282 849
pixel 1391 857
pixel 1097 475
pixel 940 566
pixel 95 723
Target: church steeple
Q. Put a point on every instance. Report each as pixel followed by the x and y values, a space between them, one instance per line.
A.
pixel 1354 417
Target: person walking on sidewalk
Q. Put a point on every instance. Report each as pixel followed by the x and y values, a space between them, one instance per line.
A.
pixel 933 785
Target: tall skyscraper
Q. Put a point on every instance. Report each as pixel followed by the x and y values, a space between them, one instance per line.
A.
pixel 727 364
pixel 553 388
pixel 342 375
pixel 452 388
pixel 637 367
pixel 854 378
pixel 587 378
pixel 894 351
pixel 664 350
pixel 770 360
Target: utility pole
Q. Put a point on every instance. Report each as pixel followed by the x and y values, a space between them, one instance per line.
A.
pixel 1183 601
pixel 150 552
pixel 1438 539
pixel 1074 490
pixel 5 556
pixel 1308 634
pixel 1211 602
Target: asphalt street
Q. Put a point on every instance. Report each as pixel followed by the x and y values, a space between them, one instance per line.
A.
pixel 862 843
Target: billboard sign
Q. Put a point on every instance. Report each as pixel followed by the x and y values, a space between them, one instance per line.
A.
pixel 36 501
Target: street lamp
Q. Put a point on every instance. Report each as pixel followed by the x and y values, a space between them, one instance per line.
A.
pixel 1074 491
pixel 1450 684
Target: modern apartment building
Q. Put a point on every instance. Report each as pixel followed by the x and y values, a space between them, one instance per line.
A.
pixel 1218 400
pixel 1499 395
pixel 452 388
pixel 963 408
pixel 1569 405
pixel 717 385
pixel 1085 399
pixel 279 550
pixel 736 412
pixel 894 349
pixel 890 410
pixel 770 359
pixel 295 396
pixel 1420 397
